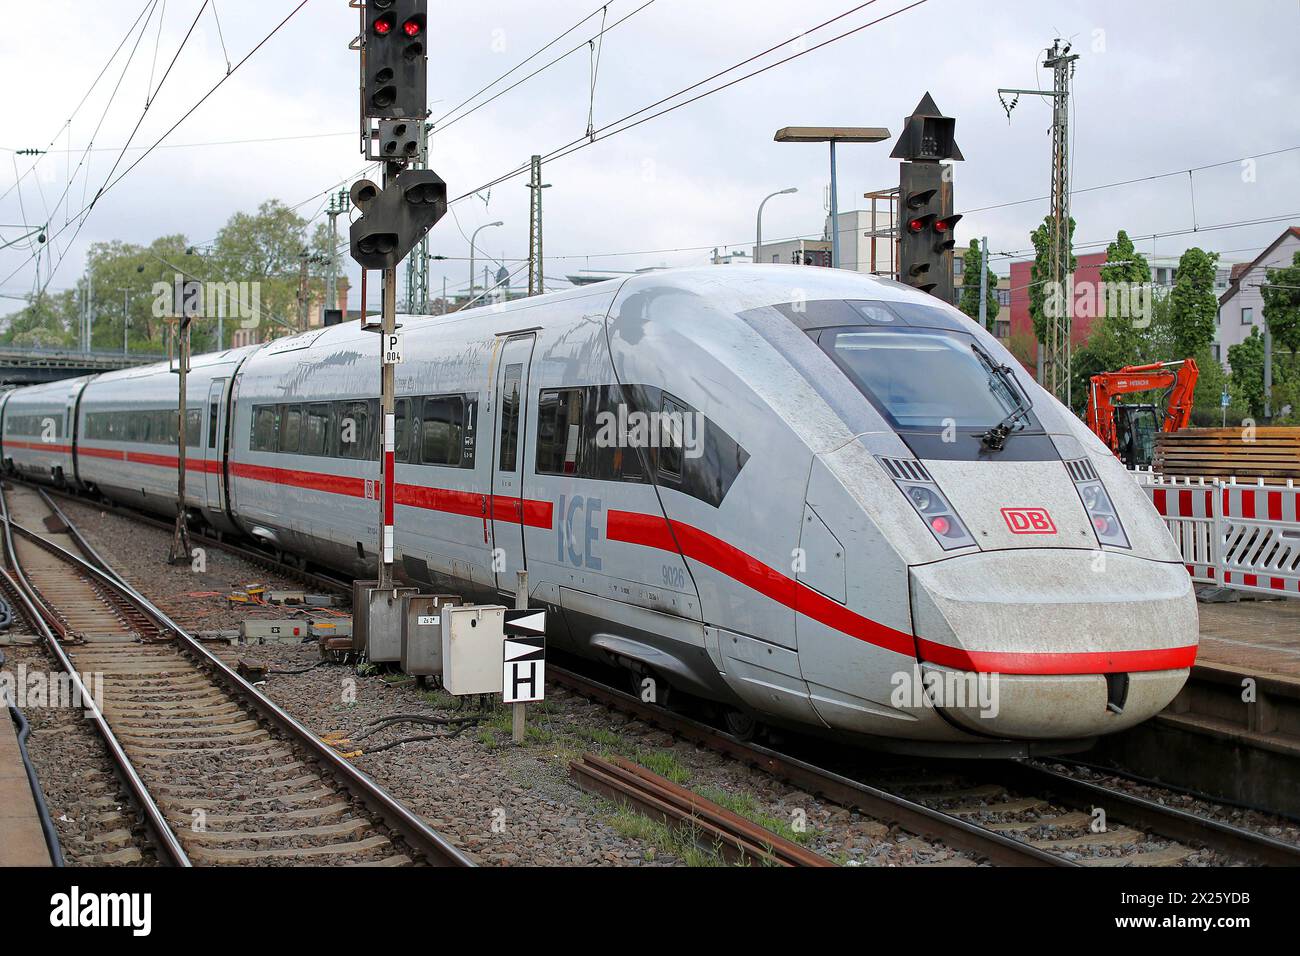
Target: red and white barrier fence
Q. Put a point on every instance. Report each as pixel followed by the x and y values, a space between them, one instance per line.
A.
pixel 1244 536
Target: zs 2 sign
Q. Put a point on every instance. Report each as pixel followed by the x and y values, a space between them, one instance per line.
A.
pixel 1028 520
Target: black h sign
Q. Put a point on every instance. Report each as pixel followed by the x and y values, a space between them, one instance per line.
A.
pixel 523 675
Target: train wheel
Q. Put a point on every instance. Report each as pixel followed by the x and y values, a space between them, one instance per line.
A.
pixel 740 724
pixel 649 687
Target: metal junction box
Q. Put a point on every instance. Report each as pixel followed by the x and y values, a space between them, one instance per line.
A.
pixel 360 602
pixel 472 638
pixel 384 624
pixel 422 632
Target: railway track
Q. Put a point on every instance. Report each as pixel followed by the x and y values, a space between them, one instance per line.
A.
pixel 220 774
pixel 1009 813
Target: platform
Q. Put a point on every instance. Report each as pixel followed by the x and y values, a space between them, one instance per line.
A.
pixel 1262 637
pixel 22 841
pixel 1233 732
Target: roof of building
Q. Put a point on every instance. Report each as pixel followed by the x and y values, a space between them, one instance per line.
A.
pixel 1239 273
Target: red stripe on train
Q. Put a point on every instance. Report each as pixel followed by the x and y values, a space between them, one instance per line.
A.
pixel 1092 662
pixel 38 446
pixel 657 532
pixel 535 514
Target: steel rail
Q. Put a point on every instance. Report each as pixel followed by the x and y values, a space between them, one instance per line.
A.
pixel 1149 815
pixel 436 848
pixel 253 555
pixel 39 614
pixel 878 804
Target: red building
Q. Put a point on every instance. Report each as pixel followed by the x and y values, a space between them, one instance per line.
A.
pixel 1088 269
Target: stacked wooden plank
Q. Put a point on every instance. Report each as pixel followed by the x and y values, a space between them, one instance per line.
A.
pixel 1268 452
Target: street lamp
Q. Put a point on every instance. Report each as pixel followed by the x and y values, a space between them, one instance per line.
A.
pixel 472 236
pixel 832 135
pixel 758 228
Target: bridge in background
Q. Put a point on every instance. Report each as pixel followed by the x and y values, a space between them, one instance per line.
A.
pixel 21 366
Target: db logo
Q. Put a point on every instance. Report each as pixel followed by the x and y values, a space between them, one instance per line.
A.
pixel 1028 520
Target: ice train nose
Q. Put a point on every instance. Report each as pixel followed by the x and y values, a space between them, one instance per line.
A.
pixel 1053 644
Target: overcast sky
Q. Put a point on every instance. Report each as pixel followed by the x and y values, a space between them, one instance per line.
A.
pixel 1160 87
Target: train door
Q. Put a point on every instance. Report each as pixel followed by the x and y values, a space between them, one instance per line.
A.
pixel 510 426
pixel 213 428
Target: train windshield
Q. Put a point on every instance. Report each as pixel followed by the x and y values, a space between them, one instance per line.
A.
pixel 922 378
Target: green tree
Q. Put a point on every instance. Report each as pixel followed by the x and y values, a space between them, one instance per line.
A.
pixel 47 321
pixel 265 247
pixel 1193 302
pixel 970 287
pixel 1124 263
pixel 1041 273
pixel 1282 305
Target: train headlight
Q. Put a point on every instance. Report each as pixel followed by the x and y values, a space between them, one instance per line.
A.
pixel 914 481
pixel 1105 521
pixel 923 500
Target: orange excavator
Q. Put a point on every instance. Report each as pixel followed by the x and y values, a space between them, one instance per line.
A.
pixel 1129 429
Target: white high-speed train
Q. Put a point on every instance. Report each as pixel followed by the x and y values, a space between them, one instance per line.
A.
pixel 820 499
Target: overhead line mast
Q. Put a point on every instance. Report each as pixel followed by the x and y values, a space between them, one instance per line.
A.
pixel 1054 351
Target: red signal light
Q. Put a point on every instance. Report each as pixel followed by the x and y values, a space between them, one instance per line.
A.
pixel 941 225
pixel 384 26
pixel 915 225
pixel 412 28
pixel 940 524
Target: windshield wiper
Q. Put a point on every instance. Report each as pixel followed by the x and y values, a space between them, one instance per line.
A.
pixel 996 437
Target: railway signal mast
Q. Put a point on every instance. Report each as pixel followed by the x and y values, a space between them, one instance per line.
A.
pixel 925 216
pixel 396 216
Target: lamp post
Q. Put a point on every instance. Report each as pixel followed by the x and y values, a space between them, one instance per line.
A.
pixel 832 135
pixel 758 227
pixel 472 236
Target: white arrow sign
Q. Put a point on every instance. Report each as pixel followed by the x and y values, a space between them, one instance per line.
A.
pixel 526 622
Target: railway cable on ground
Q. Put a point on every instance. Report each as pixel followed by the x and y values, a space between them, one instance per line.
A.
pixel 460 725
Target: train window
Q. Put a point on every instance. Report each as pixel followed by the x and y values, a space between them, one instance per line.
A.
pixel 290 429
pixel 559 431
pixel 402 428
pixel 920 378
pixel 672 425
pixel 353 429
pixel 315 439
pixel 509 439
pixel 193 427
pixel 213 409
pixel 441 439
pixel 263 428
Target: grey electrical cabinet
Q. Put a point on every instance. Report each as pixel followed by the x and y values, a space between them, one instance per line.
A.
pixel 422 632
pixel 384 624
pixel 472 638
